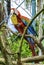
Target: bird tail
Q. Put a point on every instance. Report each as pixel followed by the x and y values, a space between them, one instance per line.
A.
pixel 31 45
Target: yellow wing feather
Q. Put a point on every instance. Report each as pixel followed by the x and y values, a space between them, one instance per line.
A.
pixel 14 19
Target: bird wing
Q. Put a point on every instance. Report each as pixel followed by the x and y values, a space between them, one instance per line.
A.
pixel 14 19
pixel 26 20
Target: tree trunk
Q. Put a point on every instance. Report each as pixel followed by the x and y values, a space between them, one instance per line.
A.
pixel 39 4
pixel 3 50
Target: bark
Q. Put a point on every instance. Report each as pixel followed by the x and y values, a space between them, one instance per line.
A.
pixel 3 50
pixel 25 60
pixel 19 62
pixel 29 25
pixel 33 59
pixel 40 32
pixel 20 48
pixel 38 42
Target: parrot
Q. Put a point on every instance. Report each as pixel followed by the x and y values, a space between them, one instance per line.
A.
pixel 20 22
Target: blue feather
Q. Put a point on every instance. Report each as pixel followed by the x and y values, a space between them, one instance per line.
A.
pixel 30 28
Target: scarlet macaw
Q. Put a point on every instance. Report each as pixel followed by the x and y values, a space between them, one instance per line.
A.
pixel 20 22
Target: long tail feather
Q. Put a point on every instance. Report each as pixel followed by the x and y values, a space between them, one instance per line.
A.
pixel 31 45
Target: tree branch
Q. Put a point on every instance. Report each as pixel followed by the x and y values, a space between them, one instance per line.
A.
pixel 3 50
pixel 26 30
pixel 25 60
pixel 33 59
pixel 38 42
pixel 41 39
pixel 33 37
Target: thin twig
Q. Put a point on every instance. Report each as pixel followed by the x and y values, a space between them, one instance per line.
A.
pixel 26 30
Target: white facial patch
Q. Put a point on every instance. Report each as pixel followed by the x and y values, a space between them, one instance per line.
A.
pixel 16 11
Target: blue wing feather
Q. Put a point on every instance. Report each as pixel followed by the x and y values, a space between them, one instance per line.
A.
pixel 30 28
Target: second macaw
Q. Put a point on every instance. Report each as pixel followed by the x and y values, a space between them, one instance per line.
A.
pixel 20 22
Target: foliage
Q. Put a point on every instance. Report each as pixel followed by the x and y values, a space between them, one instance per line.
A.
pixel 43 43
pixel 37 25
pixel 27 3
pixel 14 46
